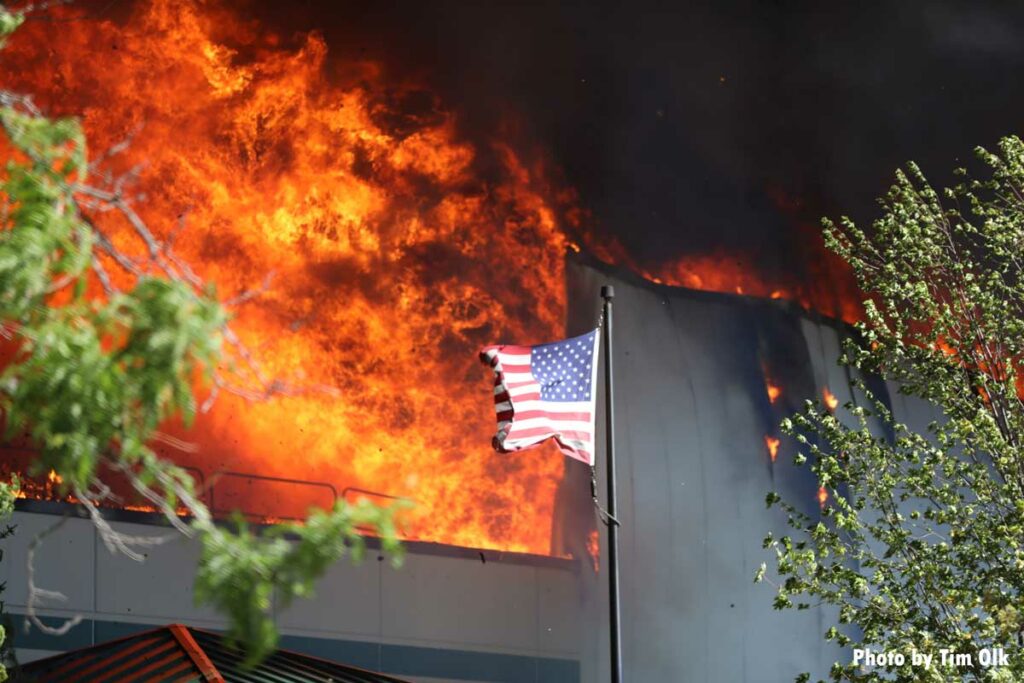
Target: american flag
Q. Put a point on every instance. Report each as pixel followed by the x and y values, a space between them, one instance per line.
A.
pixel 546 391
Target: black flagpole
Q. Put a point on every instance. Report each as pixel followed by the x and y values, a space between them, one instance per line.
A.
pixel 608 293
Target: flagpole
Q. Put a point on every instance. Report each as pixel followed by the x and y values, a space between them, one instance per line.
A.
pixel 608 293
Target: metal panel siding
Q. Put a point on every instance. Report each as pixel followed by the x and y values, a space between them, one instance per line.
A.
pixel 446 599
pixel 694 470
pixel 124 587
pixel 345 600
pixel 63 563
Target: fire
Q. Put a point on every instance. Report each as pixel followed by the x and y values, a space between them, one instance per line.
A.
pixel 773 446
pixel 822 496
pixel 594 549
pixel 832 292
pixel 830 400
pixel 399 247
pixel 773 390
pixel 730 273
pixel 43 487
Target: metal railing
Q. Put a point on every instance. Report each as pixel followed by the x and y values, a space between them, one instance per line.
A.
pixel 207 492
pixel 221 475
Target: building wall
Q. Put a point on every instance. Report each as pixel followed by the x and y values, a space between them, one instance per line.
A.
pixel 439 617
pixel 692 413
pixel 693 472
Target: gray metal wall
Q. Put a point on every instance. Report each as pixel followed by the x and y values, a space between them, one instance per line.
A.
pixel 692 412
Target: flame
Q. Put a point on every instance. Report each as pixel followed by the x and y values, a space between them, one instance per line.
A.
pixel 830 400
pixel 833 292
pixel 14 462
pixel 399 247
pixel 594 549
pixel 822 497
pixel 773 446
pixel 730 273
pixel 139 508
pixel 773 390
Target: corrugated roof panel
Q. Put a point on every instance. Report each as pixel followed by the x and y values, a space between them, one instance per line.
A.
pixel 151 656
pixel 177 654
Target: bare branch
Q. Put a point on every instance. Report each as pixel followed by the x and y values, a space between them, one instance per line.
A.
pixel 103 277
pixel 115 541
pixel 251 294
pixel 175 442
pixel 117 148
pixel 36 594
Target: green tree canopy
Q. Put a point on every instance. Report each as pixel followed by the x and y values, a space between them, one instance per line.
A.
pixel 920 545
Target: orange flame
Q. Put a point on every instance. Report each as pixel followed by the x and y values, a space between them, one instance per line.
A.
pixel 594 549
pixel 834 292
pixel 773 390
pixel 399 248
pixel 43 487
pixel 830 400
pixel 773 446
pixel 822 496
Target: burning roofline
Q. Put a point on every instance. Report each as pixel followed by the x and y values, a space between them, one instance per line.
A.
pixel 631 277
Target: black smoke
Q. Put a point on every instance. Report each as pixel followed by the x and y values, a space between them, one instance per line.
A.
pixel 683 124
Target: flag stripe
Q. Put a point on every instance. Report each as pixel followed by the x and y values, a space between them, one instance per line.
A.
pixel 530 414
pixel 522 433
pixel 510 368
pixel 545 391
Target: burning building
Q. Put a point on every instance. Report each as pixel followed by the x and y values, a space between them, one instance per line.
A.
pixel 400 239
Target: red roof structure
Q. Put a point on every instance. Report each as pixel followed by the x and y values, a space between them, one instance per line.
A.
pixel 181 654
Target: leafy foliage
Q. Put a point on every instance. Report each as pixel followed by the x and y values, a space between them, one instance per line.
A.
pixel 922 543
pixel 238 572
pixel 94 375
pixel 8 494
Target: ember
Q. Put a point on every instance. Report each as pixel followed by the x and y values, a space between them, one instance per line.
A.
pixel 594 549
pixel 830 400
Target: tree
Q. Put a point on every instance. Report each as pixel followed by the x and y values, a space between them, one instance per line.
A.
pixel 109 345
pixel 8 494
pixel 920 545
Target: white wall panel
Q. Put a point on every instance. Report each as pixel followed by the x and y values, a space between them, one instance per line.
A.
pixel 346 601
pixel 459 601
pixel 63 562
pixel 159 588
pixel 560 619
